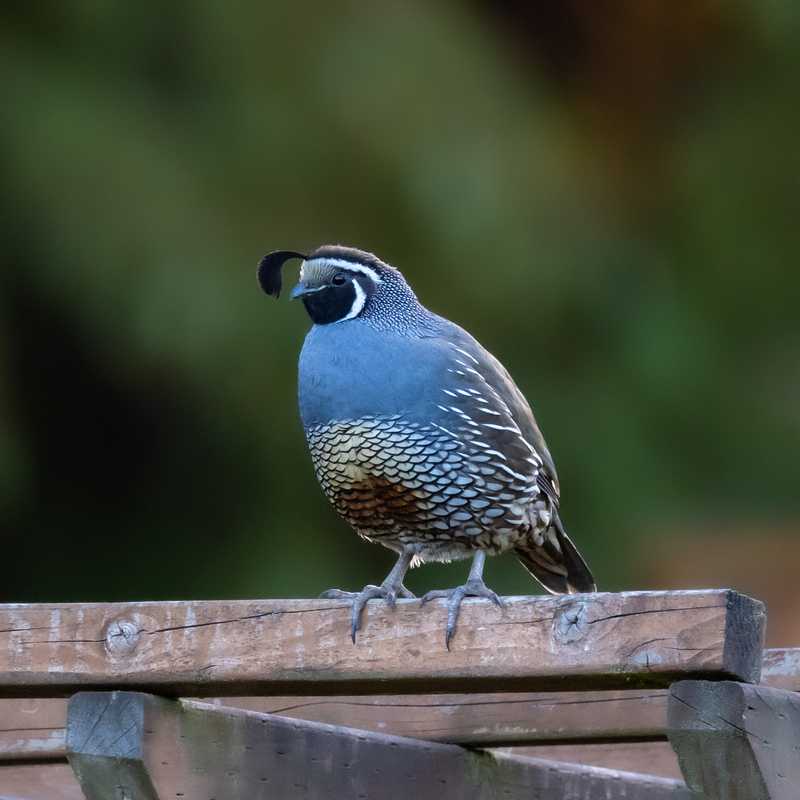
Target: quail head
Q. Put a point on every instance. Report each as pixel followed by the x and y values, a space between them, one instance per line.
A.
pixel 419 437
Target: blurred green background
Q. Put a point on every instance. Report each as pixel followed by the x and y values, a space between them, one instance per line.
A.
pixel 605 194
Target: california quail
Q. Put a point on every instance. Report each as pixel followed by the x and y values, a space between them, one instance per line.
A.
pixel 419 436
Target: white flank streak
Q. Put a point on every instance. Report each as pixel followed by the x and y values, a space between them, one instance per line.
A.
pixel 452 394
pixel 358 303
pixel 497 453
pixel 444 408
pixel 504 406
pixel 464 352
pixel 442 428
pixel 348 265
pixel 531 448
pixel 499 427
pixel 512 473
pixel 463 415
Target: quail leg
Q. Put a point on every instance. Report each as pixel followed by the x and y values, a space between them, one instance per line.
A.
pixel 391 588
pixel 474 587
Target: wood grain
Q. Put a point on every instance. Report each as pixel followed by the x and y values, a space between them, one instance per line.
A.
pixel 45 780
pixel 649 758
pixel 735 741
pixel 32 728
pixel 35 728
pixel 509 718
pixel 481 719
pixel 224 648
pixel 150 748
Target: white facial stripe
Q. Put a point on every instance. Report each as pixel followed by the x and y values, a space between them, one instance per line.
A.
pixel 351 266
pixel 358 303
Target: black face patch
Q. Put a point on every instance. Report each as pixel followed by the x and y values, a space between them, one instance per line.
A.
pixel 330 304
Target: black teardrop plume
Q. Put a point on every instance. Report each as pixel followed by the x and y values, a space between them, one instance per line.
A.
pixel 269 270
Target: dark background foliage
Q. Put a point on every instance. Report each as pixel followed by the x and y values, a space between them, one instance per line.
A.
pixel 605 194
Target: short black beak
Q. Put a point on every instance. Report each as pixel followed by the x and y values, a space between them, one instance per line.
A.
pixel 300 290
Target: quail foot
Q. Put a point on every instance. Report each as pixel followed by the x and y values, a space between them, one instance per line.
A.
pixel 418 435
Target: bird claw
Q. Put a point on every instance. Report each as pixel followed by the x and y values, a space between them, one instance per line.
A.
pixel 387 592
pixel 337 594
pixel 454 597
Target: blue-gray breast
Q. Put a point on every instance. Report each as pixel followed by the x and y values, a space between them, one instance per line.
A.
pixel 419 437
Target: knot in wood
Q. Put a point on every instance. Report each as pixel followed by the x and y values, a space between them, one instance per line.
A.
pixel 570 623
pixel 121 637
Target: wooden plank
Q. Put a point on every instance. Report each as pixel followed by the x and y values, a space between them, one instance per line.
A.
pixel 736 742
pixel 649 758
pixel 35 728
pixel 190 749
pixel 475 720
pixel 480 720
pixel 218 648
pixel 44 780
pixel 32 728
pixel 508 718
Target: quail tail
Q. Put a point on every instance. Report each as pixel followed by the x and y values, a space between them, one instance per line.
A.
pixel 557 564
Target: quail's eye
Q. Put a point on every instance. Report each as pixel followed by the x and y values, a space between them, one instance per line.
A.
pixel 338 280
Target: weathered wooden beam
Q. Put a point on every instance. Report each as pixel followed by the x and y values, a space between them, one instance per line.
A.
pixel 469 719
pixel 210 648
pixel 31 728
pixel 735 741
pixel 150 748
pixel 648 758
pixel 39 780
pixel 509 718
pixel 483 720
